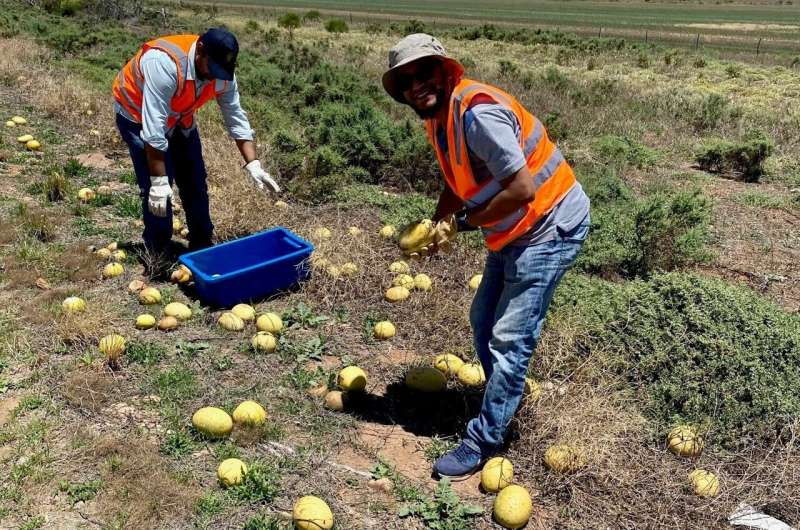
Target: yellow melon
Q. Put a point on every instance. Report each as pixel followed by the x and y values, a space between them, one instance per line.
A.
pixel 384 330
pixel 564 458
pixel 471 374
pixel 422 282
pixel 352 379
pixel 322 233
pixel 113 270
pixel 270 322
pixel 475 282
pixel 533 390
pixel 73 304
pixel 416 235
pixel 112 346
pixel 335 400
pixel 102 253
pixel 397 294
pixel 684 440
pixel 86 194
pixel 349 269
pixel 497 473
pixel 244 311
pixel 178 310
pixel 399 267
pixel 145 321
pixel 249 413
pixel 150 296
pixel 231 322
pixel 264 341
pixel 513 507
pixel 212 422
pixel 387 231
pixel 312 513
pixel 403 280
pixel 231 472
pixel 425 379
pixel 448 364
pixel 168 323
pixel 704 483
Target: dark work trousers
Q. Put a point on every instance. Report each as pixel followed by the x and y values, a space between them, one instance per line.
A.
pixel 186 169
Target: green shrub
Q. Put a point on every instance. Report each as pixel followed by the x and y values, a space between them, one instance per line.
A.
pixel 445 510
pixel 261 483
pixel 633 237
pixel 701 351
pixel 415 26
pixel 290 22
pixel 80 491
pixel 742 160
pixel 311 16
pixel 336 25
pixel 251 26
pixel 711 112
pixel 334 107
pixel 264 522
pixel 508 68
pixel 733 70
pixel 397 210
pixel 622 150
pixel 64 8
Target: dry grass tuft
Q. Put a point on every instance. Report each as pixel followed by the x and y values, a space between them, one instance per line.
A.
pixel 78 265
pixel 628 475
pixel 85 329
pixel 88 389
pixel 138 489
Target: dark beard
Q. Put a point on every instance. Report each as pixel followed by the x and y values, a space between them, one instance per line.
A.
pixel 431 112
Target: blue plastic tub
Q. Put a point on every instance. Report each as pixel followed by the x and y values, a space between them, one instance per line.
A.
pixel 249 268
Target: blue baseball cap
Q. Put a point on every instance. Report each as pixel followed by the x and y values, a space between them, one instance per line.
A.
pixel 222 49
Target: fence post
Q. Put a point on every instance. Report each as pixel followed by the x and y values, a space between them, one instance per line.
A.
pixel 645 36
pixel 758 46
pixel 697 42
pixel 600 31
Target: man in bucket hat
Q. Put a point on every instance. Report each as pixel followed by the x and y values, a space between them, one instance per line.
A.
pixel 504 175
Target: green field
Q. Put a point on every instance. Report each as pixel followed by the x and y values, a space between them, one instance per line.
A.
pixel 544 12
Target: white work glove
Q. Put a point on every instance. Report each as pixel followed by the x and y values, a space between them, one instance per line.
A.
pixel 160 194
pixel 261 177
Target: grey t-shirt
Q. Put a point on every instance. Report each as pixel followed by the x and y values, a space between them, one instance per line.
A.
pixel 492 135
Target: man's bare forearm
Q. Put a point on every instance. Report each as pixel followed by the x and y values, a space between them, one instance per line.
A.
pixel 248 150
pixel 155 161
pixel 448 204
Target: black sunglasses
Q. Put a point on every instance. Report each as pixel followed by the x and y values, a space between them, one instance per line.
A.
pixel 424 72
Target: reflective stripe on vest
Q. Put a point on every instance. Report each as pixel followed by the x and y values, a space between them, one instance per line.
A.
pixel 552 176
pixel 129 83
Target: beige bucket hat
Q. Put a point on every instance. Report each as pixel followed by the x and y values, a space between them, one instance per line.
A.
pixel 412 48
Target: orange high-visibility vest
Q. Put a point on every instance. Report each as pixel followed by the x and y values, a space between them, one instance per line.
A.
pixel 129 83
pixel 552 175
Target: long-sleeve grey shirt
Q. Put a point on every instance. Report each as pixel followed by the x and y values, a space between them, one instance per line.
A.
pixel 160 84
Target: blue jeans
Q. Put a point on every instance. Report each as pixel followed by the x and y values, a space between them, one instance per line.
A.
pixel 186 169
pixel 507 314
